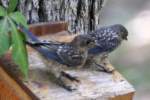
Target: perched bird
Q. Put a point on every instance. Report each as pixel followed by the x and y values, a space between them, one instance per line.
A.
pixel 59 54
pixel 107 39
pixel 70 54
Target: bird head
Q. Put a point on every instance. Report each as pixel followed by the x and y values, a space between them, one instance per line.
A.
pixel 121 31
pixel 83 41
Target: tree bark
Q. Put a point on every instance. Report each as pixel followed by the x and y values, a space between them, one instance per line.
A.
pixel 82 15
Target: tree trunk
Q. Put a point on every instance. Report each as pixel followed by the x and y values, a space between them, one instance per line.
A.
pixel 82 15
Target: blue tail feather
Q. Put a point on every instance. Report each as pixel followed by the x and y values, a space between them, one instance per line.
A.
pixel 45 52
pixel 29 34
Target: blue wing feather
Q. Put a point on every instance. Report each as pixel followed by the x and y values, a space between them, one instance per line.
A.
pixel 49 55
pixel 29 34
pixel 52 51
pixel 106 40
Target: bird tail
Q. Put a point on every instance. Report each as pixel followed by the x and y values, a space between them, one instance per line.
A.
pixel 33 40
pixel 29 34
pixel 41 47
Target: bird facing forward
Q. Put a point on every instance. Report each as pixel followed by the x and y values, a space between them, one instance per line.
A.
pixel 107 39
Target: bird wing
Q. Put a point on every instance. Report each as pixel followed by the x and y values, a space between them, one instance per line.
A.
pixel 105 40
pixel 70 55
pixel 50 50
pixel 51 55
pixel 60 52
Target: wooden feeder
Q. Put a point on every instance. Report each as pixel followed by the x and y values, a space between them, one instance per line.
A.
pixel 94 85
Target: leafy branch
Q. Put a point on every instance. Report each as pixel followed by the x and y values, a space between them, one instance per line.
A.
pixel 10 36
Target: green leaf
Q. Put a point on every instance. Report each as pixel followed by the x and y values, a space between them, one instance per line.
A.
pixel 19 52
pixel 19 18
pixel 2 11
pixel 4 37
pixel 12 5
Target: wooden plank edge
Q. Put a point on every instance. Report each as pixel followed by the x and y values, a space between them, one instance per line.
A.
pixel 6 93
pixel 16 84
pixel 128 96
pixel 48 27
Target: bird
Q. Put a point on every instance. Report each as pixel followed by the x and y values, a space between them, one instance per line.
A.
pixel 60 54
pixel 107 39
pixel 70 54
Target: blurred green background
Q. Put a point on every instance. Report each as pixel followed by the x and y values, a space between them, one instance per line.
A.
pixel 132 59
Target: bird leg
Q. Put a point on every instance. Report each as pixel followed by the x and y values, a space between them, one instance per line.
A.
pixel 104 64
pixel 101 67
pixel 68 82
pixel 64 79
pixel 84 61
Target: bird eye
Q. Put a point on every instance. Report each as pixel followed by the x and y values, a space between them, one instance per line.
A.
pixel 88 42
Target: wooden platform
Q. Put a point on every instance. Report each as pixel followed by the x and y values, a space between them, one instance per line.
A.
pixel 94 85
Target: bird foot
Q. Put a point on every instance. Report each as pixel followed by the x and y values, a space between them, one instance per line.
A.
pixel 68 82
pixel 104 68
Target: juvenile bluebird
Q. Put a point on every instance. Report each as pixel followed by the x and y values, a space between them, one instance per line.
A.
pixel 59 55
pixel 107 39
pixel 70 54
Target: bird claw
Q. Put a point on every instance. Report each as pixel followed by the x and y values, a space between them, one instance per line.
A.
pixel 72 78
pixel 104 68
pixel 69 82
